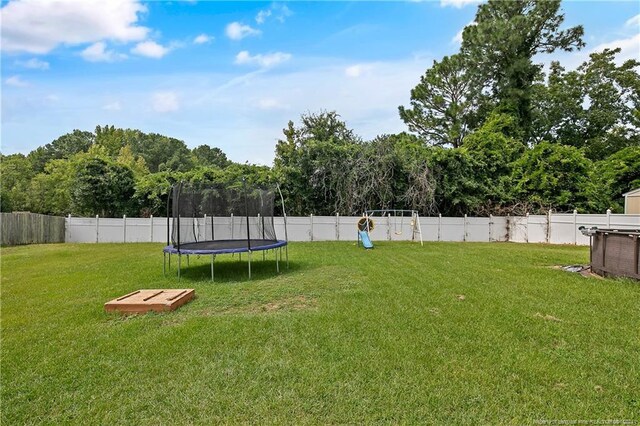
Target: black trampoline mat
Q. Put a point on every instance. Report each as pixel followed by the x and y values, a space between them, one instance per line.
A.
pixel 227 244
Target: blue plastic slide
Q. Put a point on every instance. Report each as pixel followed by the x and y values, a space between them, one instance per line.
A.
pixel 364 237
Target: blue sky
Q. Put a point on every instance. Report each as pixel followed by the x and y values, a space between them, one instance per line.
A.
pixel 232 74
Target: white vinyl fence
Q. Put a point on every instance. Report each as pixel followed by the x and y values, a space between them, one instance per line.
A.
pixel 556 228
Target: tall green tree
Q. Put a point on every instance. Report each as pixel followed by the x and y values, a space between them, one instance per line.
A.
pixel 313 163
pixel 594 107
pixel 501 45
pixel 50 191
pixel 102 187
pixel 15 175
pixel 210 157
pixel 443 103
pixel 65 146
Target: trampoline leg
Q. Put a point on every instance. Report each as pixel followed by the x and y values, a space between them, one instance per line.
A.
pixel 263 254
pixel 164 264
pixel 213 256
pixel 286 251
pixel 240 256
pixel 249 264
pixel 277 263
pixel 169 262
pixel 179 265
pixel 187 260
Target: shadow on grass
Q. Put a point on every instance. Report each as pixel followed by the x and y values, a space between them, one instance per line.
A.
pixel 233 270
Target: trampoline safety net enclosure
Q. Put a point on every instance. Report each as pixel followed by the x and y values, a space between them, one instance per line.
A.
pixel 211 219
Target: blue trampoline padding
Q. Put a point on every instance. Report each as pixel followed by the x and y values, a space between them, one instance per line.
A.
pixel 224 246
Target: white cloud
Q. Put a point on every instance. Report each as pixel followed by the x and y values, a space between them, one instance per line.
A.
pixel 262 16
pixel 457 39
pixel 34 64
pixel 279 12
pixel 202 39
pixel 165 102
pixel 36 26
pixel 150 49
pixel 16 81
pixel 238 31
pixel 265 61
pixel 98 52
pixel 355 71
pixel 458 4
pixel 633 22
pixel 113 106
pixel 630 48
pixel 270 104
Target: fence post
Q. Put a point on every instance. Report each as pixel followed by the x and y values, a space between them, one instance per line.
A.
pixel 526 227
pixel 311 230
pixel 68 229
pixel 124 228
pixel 464 227
pixel 205 228
pixel 548 236
pixel 97 226
pixel 608 218
pixel 490 228
pixel 389 226
pixel 575 227
pixel 337 226
pixel 151 225
pixel 508 227
pixel 439 225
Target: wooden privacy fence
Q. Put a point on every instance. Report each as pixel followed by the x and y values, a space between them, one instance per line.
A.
pixel 31 228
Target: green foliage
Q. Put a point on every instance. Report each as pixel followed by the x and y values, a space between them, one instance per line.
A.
pixel 210 157
pixel 501 45
pixel 555 176
pixel 15 175
pixel 101 187
pixel 442 103
pixel 151 193
pixel 618 174
pixel 50 191
pixel 65 146
pixel 593 107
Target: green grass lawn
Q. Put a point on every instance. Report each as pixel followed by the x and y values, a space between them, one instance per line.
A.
pixel 445 333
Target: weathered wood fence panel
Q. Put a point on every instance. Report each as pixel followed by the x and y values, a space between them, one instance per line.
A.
pixel 31 228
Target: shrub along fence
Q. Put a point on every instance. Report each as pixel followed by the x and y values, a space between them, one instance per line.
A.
pixel 31 228
pixel 553 228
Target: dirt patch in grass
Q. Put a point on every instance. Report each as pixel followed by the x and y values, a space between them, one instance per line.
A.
pixel 287 304
pixel 547 317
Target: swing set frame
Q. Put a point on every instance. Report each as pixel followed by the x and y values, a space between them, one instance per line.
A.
pixel 416 231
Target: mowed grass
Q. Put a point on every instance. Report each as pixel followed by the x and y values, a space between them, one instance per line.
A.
pixel 449 333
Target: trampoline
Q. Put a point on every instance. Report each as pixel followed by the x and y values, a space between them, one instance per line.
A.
pixel 208 219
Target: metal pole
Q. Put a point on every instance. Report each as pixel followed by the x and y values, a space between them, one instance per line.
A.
pixel 249 264
pixel 277 263
pixel 246 213
pixel 213 256
pixel 179 265
pixel 168 219
pixel 164 263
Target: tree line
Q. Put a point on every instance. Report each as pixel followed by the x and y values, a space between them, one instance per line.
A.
pixel 489 132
